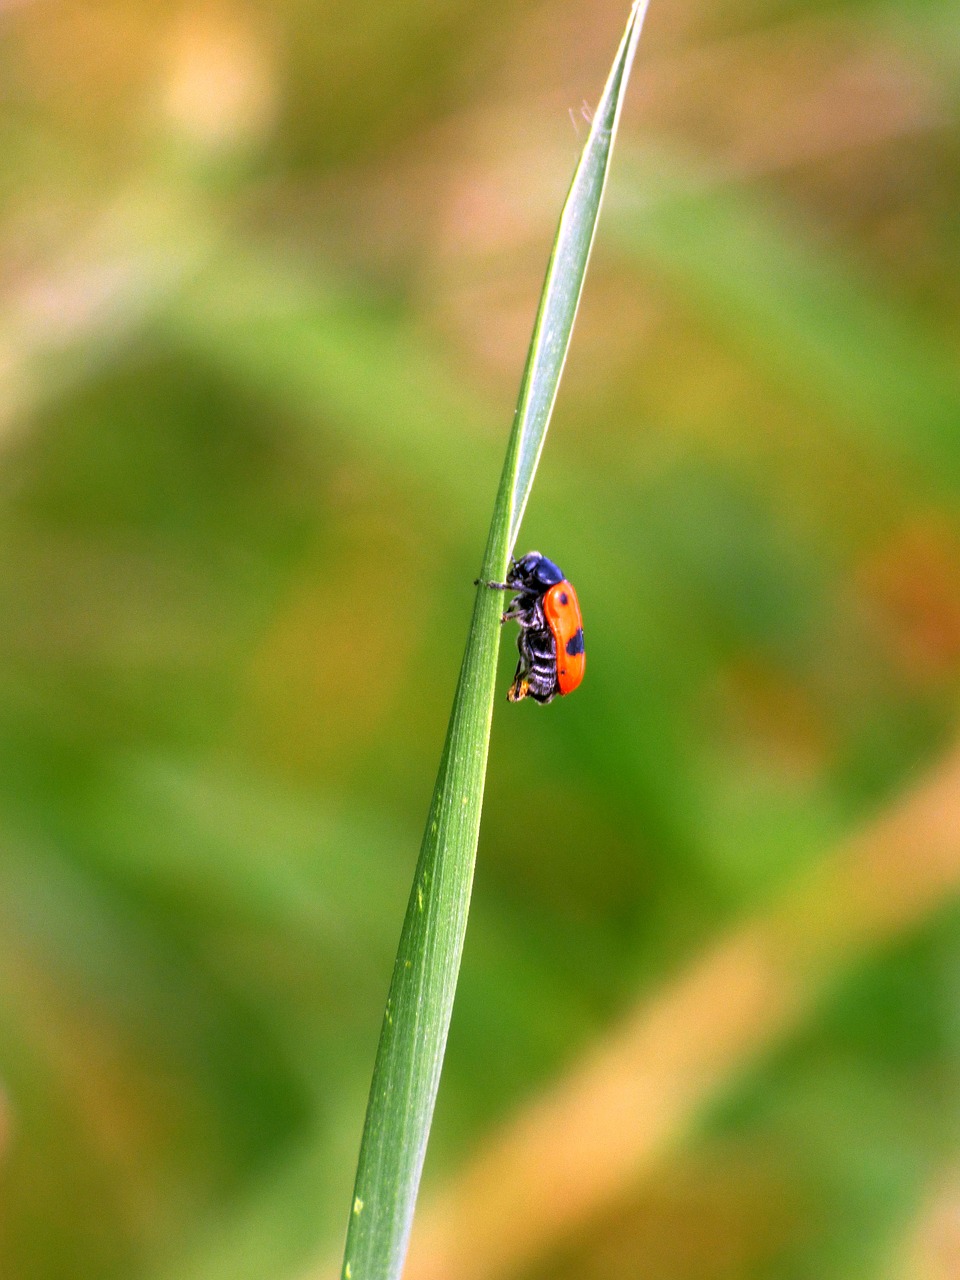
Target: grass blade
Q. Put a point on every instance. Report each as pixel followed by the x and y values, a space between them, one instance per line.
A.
pixel 417 1017
pixel 565 275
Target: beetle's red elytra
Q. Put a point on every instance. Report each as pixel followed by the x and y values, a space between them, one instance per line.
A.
pixel 552 658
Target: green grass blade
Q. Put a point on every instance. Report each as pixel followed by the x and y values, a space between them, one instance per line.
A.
pixel 417 1017
pixel 565 276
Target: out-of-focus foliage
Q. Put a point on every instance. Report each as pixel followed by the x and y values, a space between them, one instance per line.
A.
pixel 267 275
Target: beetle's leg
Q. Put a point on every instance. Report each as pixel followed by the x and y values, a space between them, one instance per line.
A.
pixel 521 683
pixel 521 680
pixel 536 675
pixel 537 622
pixel 513 608
pixel 533 681
pixel 513 585
pixel 519 689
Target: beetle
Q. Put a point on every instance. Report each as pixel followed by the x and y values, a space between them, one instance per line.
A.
pixel 552 658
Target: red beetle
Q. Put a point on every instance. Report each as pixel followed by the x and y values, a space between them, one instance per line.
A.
pixel 552 659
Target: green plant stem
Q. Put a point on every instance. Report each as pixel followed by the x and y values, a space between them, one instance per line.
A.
pixel 420 1004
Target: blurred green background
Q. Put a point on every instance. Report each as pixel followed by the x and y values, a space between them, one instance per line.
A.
pixel 267 278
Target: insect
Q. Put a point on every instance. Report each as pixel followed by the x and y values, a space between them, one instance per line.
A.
pixel 545 605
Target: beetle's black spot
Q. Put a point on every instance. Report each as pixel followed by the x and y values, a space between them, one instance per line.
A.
pixel 575 643
pixel 564 598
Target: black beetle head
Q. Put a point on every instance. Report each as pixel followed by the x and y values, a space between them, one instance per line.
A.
pixel 535 572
